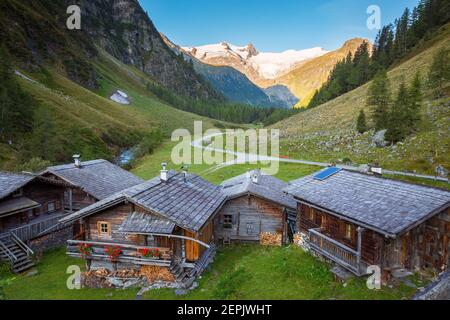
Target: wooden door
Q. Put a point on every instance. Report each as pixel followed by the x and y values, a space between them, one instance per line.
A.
pixel 191 247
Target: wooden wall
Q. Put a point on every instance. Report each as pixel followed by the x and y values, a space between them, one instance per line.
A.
pixel 262 215
pixel 80 199
pixel 41 192
pixel 336 229
pixel 426 246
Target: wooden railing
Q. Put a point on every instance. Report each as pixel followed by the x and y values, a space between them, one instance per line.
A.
pixel 38 229
pixel 130 253
pixel 336 251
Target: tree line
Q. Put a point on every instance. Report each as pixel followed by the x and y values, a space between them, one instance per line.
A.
pixel 222 110
pixel 392 43
pixel 401 115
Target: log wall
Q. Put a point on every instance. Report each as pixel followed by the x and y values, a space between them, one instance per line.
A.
pixel 251 216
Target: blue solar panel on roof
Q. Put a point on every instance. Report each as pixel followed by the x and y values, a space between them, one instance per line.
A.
pixel 326 173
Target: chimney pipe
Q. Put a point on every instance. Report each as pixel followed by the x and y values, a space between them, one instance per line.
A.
pixel 255 177
pixel 185 172
pixel 164 172
pixel 76 160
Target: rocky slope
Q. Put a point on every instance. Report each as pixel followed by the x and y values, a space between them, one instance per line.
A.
pixel 235 85
pixel 309 76
pixel 260 67
pixel 302 72
pixel 35 32
pixel 328 132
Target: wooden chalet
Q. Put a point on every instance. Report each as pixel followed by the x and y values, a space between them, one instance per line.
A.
pixel 357 220
pixel 95 180
pixel 30 208
pixel 170 216
pixel 256 204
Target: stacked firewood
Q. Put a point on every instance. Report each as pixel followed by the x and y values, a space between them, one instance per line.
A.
pixel 271 239
pixel 154 273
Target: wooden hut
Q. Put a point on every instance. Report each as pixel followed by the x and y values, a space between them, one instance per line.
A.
pixel 256 206
pixel 95 180
pixel 358 220
pixel 30 208
pixel 167 221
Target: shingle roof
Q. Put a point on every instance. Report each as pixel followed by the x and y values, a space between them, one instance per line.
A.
pixel 267 187
pixel 10 182
pixel 141 222
pixel 99 178
pixel 189 204
pixel 385 205
pixel 15 204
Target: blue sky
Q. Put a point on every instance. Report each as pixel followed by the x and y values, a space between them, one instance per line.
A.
pixel 271 25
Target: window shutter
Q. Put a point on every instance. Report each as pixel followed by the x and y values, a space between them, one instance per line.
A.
pixel 221 219
pixel 234 219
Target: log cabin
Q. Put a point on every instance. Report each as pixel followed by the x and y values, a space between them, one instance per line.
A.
pixel 166 222
pixel 30 208
pixel 95 180
pixel 256 205
pixel 357 220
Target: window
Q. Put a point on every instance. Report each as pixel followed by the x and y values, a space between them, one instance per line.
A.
pixel 249 228
pixel 348 232
pixel 104 229
pixel 51 207
pixel 228 221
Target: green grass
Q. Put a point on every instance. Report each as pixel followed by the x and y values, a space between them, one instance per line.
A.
pixel 327 133
pixel 149 167
pixel 239 272
pixel 50 282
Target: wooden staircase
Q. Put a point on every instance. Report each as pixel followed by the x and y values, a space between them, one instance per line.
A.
pixel 15 252
pixel 186 276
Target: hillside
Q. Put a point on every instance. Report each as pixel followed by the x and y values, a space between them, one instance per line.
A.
pixel 235 85
pixel 328 133
pixel 304 80
pixel 72 74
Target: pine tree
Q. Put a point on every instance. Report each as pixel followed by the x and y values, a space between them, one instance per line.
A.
pixel 439 72
pixel 379 100
pixel 361 125
pixel 397 129
pixel 415 97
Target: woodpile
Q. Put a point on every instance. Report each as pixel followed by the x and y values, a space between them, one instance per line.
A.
pixel 154 273
pixel 271 239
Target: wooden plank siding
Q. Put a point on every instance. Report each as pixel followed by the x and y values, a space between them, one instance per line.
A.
pixel 426 246
pixel 336 229
pixel 42 193
pixel 251 216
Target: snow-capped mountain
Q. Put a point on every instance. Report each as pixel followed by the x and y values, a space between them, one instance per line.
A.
pixel 264 65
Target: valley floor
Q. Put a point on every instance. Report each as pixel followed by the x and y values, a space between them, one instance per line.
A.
pixel 239 272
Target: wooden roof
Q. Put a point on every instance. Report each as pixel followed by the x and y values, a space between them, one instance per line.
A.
pixel 15 205
pixel 387 206
pixel 99 178
pixel 267 187
pixel 188 202
pixel 144 223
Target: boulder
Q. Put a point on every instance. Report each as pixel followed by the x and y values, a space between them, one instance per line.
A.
pixel 379 139
pixel 441 171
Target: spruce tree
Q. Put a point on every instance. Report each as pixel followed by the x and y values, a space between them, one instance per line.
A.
pixel 415 97
pixel 397 128
pixel 379 100
pixel 361 125
pixel 439 72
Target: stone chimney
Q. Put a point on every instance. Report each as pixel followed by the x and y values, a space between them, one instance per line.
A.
pixel 164 172
pixel 77 160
